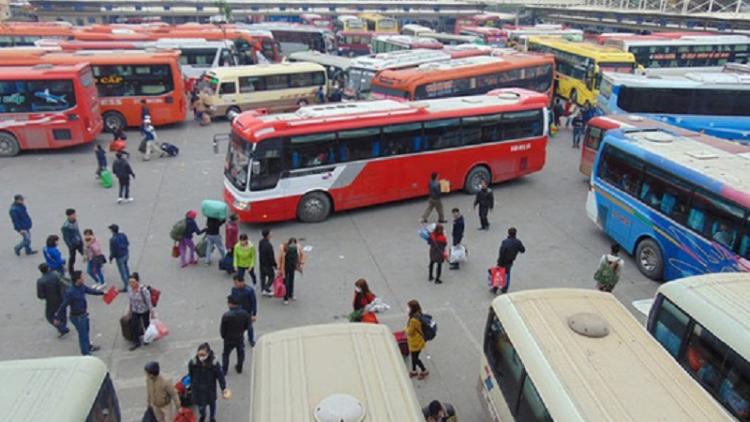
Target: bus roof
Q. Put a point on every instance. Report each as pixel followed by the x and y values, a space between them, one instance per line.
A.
pixel 705 80
pixel 656 39
pixel 320 58
pixel 719 302
pixel 125 57
pixel 408 40
pixel 263 69
pixel 585 49
pixel 53 389
pixel 402 58
pixel 623 376
pixel 24 72
pixel 295 370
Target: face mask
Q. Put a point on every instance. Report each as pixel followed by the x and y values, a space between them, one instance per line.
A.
pixel 358 290
pixel 202 358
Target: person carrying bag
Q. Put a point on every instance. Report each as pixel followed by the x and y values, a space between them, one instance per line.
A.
pixel 608 273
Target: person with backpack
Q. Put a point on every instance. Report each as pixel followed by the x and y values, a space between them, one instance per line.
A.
pixel 141 310
pixel 291 259
pixel 50 289
pixel 437 242
pixel 186 241
pixel 416 339
pixel 610 268
pixel 205 372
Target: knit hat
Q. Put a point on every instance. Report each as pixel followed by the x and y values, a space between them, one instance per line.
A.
pixel 152 368
pixel 192 214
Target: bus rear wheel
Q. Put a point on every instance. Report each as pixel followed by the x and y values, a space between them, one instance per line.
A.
pixel 650 259
pixel 314 207
pixel 8 145
pixel 474 179
pixel 114 121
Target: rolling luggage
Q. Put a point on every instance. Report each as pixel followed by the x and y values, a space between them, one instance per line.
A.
pixel 403 344
pixel 127 333
pixel 106 179
pixel 169 149
pixel 214 209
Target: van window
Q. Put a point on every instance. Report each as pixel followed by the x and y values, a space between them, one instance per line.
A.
pixel 227 88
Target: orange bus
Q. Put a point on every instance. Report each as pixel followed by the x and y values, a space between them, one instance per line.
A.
pixel 123 78
pixel 14 34
pixel 469 76
pixel 47 107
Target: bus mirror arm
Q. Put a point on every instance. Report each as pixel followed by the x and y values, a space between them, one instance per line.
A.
pixel 219 137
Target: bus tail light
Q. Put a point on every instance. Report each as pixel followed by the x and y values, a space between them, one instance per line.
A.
pixel 72 117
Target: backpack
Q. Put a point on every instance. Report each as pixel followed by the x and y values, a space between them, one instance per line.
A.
pixel 429 327
pixel 606 275
pixel 178 230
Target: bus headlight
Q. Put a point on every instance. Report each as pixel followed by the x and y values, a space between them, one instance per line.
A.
pixel 242 206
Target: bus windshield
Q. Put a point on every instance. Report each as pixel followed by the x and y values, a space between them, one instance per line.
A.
pixel 239 155
pixel 360 81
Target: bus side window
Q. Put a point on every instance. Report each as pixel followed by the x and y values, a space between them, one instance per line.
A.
pixel 720 218
pixel 671 326
pixel 442 133
pixel 406 138
pixel 227 88
pixel 359 144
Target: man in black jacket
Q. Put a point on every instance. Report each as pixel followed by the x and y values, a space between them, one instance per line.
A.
pixel 486 201
pixel 122 170
pixel 458 232
pixel 509 249
pixel 234 323
pixel 267 263
pixel 50 288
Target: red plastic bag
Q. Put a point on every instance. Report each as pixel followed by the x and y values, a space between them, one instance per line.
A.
pixel 160 328
pixel 110 295
pixel 184 415
pixel 279 288
pixel 369 317
pixel 497 277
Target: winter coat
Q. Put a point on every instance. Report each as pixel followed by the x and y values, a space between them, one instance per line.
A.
pixel 437 247
pixel 191 228
pixel 231 232
pixel 20 217
pixel 92 249
pixel 53 258
pixel 360 301
pixel 414 334
pixel 118 245
pixel 266 255
pixel 244 256
pixel 161 392
pixel 509 249
pixel 48 288
pixel 458 229
pixel 203 378
pixel 485 199
pixel 71 234
pixel 121 168
pixel 234 323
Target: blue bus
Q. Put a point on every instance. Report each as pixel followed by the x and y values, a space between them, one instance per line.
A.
pixel 714 103
pixel 679 206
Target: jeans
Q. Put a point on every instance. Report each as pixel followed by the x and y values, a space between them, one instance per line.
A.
pixel 507 279
pixel 214 240
pixel 25 242
pixel 124 188
pixel 139 323
pixel 183 246
pixel 122 266
pixel 241 273
pixel 230 345
pixel 483 220
pixel 95 272
pixel 577 135
pixel 82 326
pixel 251 334
pixel 266 278
pixel 289 284
pixel 62 327
pixel 211 406
pixel 73 250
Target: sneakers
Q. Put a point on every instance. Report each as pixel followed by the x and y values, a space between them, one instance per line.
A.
pixel 32 252
pixel 63 334
pixel 267 293
pixel 286 302
pixel 207 264
pixel 130 199
pixel 423 375
pixel 193 262
pixel 94 348
pixel 119 200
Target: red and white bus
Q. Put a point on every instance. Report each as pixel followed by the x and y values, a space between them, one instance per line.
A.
pixel 317 21
pixel 493 37
pixel 47 107
pixel 354 43
pixel 389 43
pixel 18 34
pixel 124 78
pixel 475 21
pixel 323 159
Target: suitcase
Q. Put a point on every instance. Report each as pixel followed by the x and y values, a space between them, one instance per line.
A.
pixel 127 333
pixel 403 344
pixel 107 180
pixel 169 149
pixel 227 263
pixel 214 209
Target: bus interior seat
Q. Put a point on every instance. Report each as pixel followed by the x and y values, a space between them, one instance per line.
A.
pixel 696 219
pixel 667 203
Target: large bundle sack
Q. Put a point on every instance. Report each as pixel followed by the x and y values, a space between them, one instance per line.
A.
pixel 214 209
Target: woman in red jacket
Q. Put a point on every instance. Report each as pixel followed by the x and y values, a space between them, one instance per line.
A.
pixel 362 297
pixel 437 242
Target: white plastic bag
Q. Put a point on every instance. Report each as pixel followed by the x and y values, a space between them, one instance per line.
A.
pixel 458 254
pixel 151 334
pixel 377 306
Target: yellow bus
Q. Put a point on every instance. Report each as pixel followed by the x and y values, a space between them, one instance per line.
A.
pixel 579 355
pixel 580 66
pixel 273 87
pixel 313 373
pixel 379 23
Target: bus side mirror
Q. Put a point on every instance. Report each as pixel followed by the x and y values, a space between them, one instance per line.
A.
pixel 219 137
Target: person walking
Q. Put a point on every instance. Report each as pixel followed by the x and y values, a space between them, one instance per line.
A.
pixel 96 259
pixel 71 235
pixel 577 130
pixel 186 243
pixel 145 112
pixel 213 238
pixel 509 250
pixel 248 302
pixel 438 412
pixel 162 396
pixel 610 268
pixel 231 233
pixel 416 340
pixel 234 323
pixel 485 200
pixel 457 234
pixel 557 111
pixel 267 260
pixel 122 170
pixel 149 139
pixel 22 224
pixel 320 95
pixel 204 373
pixel 50 289
pixel 362 297
pixel 244 258
pixel 119 252
pixel 434 201
pixel 101 160
pixel 52 255
pixel 141 309
pixel 291 259
pixel 75 298
pixel 437 242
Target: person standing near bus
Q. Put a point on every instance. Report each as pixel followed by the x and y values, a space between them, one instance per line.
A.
pixel 162 396
pixel 119 252
pixel 509 250
pixel 437 242
pixel 485 199
pixel 415 340
pixel 610 268
pixel 75 297
pixel 122 170
pixel 557 112
pixel 267 260
pixel 205 372
pixel 231 233
pixel 291 259
pixel 577 129
pixel 50 289
pixel 434 201
pixel 320 95
pixel 145 112
pixel 22 224
pixel 71 235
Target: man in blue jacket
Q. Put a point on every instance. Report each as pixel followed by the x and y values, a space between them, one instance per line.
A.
pixel 118 251
pixel 248 302
pixel 21 224
pixel 75 297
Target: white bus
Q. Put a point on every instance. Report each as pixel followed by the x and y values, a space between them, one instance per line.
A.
pixel 315 372
pixel 704 323
pixel 579 355
pixel 63 389
pixel 292 37
pixel 684 52
pixel 337 67
pixel 415 30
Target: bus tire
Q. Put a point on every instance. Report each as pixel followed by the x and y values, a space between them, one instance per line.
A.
pixel 9 145
pixel 114 120
pixel 473 183
pixel 314 207
pixel 574 96
pixel 232 111
pixel 650 259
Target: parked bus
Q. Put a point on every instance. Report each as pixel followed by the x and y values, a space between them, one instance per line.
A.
pixel 462 51
pixel 453 40
pixel 362 69
pixel 379 23
pixel 490 36
pixel 580 66
pixel 47 107
pixel 389 43
pixel 61 389
pixel 274 88
pixel 376 152
pixel 684 52
pixel 295 37
pixel 579 355
pixel 354 43
pixel 317 351
pixel 318 21
pixel 18 34
pixel 704 323
pixel 469 76
pixel 123 78
pixel 350 23
pixel 519 38
pixel 485 20
pixel 714 103
pixel 678 205
pixel 337 68
pixel 414 30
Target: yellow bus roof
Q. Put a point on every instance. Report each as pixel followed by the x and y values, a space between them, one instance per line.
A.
pixel 582 48
pixel 263 69
pixel 294 370
pixel 623 376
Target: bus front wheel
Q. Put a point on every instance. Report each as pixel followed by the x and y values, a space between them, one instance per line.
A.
pixel 232 112
pixel 474 179
pixel 8 145
pixel 650 259
pixel 314 207
pixel 114 121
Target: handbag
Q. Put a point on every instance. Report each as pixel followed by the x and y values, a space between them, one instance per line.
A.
pixel 279 288
pixel 155 295
pixel 496 277
pixel 202 247
pixel 149 416
pixel 99 260
pixel 175 251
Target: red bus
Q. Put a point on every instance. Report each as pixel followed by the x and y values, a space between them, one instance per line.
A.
pixel 47 107
pixel 493 37
pixel 354 43
pixel 474 21
pixel 16 34
pixel 323 159
pixel 123 78
pixel 317 21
